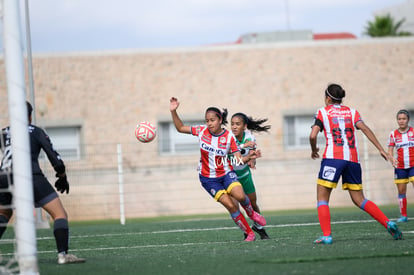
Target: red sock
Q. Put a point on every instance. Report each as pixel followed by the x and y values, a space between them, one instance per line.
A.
pixel 402 199
pixel 247 206
pixel 240 220
pixel 372 209
pixel 324 217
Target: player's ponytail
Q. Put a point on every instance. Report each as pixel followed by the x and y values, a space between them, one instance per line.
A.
pixel 253 124
pixel 29 108
pixel 224 116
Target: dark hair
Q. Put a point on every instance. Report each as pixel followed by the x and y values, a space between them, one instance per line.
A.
pixel 29 109
pixel 335 92
pixel 253 124
pixel 405 112
pixel 219 114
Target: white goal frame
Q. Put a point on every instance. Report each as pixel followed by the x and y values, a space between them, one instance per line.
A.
pixel 25 228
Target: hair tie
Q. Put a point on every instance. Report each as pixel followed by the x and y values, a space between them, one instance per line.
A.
pixel 215 110
pixel 218 113
pixel 331 96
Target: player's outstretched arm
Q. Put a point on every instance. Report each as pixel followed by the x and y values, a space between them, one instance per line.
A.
pixel 179 125
pixel 371 136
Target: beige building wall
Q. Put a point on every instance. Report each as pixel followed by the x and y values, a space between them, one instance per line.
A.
pixel 108 93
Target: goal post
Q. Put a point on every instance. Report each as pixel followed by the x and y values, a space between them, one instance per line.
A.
pixel 25 230
pixel 41 220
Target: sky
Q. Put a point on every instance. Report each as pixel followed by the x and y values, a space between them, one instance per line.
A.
pixel 95 25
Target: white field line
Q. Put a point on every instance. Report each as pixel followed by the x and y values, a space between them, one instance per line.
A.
pixel 181 231
pixel 174 231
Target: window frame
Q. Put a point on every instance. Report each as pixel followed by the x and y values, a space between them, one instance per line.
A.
pixel 77 145
pixel 294 130
pixel 170 140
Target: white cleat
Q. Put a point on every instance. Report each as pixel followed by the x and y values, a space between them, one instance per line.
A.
pixel 64 258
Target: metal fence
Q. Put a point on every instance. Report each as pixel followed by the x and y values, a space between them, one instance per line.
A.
pixel 121 181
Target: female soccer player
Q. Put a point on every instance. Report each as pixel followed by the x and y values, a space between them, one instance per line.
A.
pixel 240 126
pixel 215 170
pixel 341 159
pixel 403 139
pixel 44 194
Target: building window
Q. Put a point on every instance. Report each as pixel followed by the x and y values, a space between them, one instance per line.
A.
pixel 66 140
pixel 173 142
pixel 411 112
pixel 296 131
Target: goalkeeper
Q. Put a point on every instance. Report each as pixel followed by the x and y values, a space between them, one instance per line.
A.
pixel 45 195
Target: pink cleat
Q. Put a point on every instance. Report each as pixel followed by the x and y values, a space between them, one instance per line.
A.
pixel 250 237
pixel 258 218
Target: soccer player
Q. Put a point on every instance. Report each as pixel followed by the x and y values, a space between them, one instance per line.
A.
pixel 44 194
pixel 341 159
pixel 242 127
pixel 402 139
pixel 216 173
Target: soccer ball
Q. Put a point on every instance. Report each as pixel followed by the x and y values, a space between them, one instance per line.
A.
pixel 145 132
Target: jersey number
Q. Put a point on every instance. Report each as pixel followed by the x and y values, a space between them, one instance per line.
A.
pixel 338 137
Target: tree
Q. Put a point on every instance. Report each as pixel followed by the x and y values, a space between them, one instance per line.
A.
pixel 383 25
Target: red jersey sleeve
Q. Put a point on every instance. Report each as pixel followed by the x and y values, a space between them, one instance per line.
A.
pixel 196 130
pixel 391 140
pixel 233 145
pixel 357 118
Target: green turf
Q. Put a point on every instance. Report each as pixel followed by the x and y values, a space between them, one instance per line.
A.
pixel 212 245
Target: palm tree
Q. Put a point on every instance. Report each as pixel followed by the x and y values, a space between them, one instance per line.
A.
pixel 383 25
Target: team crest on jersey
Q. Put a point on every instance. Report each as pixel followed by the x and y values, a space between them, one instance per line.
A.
pixel 410 134
pixel 222 142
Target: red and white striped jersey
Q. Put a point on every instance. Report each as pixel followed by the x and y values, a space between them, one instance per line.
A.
pixel 404 144
pixel 338 123
pixel 214 149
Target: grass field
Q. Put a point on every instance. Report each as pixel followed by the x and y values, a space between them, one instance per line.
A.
pixel 213 245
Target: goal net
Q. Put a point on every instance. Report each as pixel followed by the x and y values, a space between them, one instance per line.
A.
pixel 20 256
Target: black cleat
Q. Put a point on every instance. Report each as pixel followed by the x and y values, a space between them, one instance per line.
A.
pixel 261 232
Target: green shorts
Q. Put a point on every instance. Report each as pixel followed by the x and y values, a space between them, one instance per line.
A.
pixel 246 180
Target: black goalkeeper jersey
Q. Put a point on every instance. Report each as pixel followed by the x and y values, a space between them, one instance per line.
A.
pixel 38 140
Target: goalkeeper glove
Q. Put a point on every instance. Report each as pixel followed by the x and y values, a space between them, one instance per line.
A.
pixel 62 184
